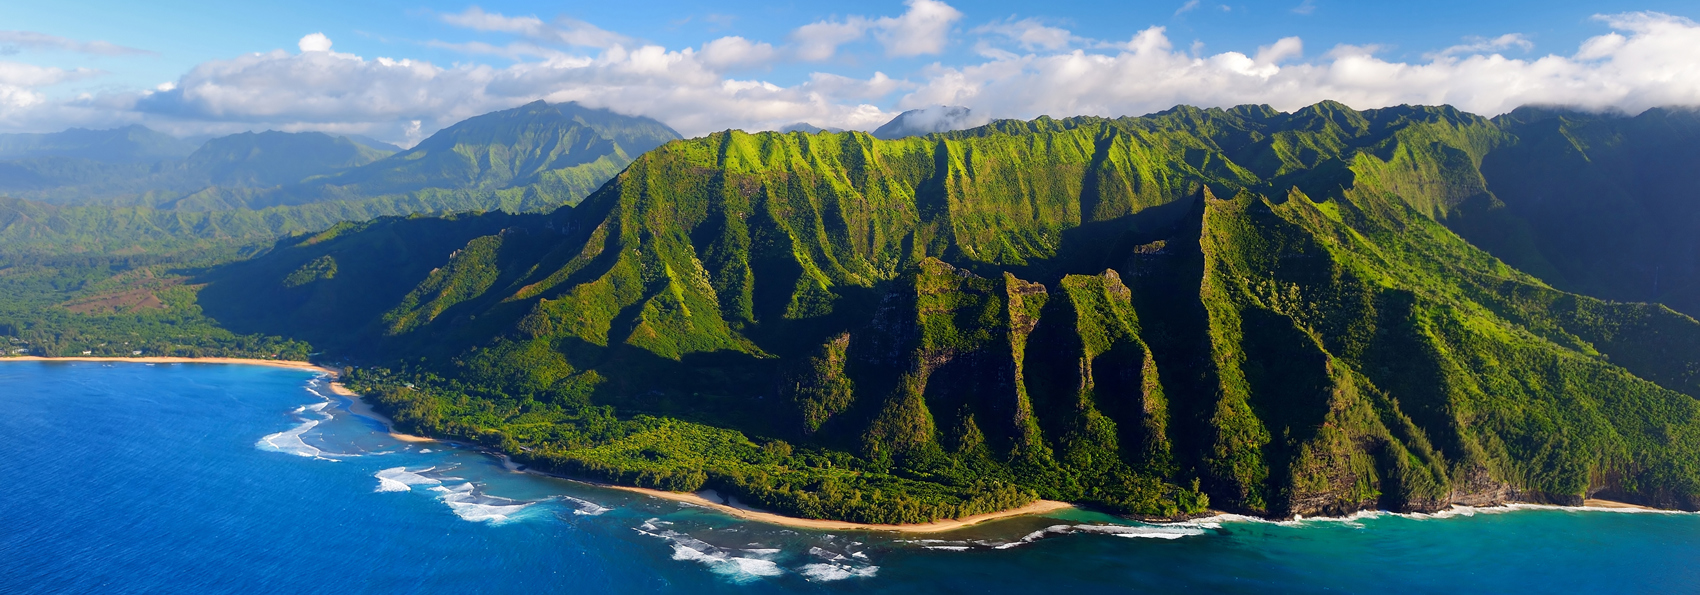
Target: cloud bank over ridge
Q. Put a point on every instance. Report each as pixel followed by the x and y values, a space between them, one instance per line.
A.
pixel 1024 68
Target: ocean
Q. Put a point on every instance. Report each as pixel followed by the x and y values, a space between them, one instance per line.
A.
pixel 200 478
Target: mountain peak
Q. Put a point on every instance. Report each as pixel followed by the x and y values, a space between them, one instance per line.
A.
pixel 928 120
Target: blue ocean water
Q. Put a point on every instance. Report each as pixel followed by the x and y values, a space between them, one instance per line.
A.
pixel 195 478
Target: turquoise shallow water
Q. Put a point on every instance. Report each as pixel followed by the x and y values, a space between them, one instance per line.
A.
pixel 128 478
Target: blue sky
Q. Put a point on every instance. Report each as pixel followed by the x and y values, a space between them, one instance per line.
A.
pixel 399 70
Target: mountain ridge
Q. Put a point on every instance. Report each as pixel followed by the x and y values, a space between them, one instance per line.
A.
pixel 1246 309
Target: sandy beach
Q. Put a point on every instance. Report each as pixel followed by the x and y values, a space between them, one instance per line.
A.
pixel 1037 507
pixel 275 363
pixel 360 407
pixel 1597 503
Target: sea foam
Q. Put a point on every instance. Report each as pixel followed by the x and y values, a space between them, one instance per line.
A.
pixel 834 566
pixel 469 504
pixel 584 507
pixel 737 566
pixel 399 479
pixel 824 572
pixel 289 441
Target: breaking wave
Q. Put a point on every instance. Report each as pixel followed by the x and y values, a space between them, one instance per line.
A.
pixel 738 566
pixel 833 566
pixel 399 479
pixel 1165 531
pixel 742 565
pixel 289 441
pixel 584 507
pixel 470 504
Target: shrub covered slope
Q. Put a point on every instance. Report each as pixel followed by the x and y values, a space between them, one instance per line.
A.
pixel 1242 309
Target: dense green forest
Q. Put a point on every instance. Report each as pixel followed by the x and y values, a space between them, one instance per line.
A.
pixel 1248 310
pixel 1257 310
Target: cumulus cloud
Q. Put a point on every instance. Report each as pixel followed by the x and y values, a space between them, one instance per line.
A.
pixel 401 100
pixel 42 41
pixel 923 29
pixel 19 84
pixel 1639 60
pixel 820 40
pixel 314 42
pixel 1650 60
pixel 728 52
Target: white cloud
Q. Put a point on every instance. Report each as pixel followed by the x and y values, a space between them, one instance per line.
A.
pixel 18 74
pixel 1477 45
pixel 314 42
pixel 1188 7
pixel 563 30
pixel 1652 60
pixel 1029 33
pixel 1305 8
pixel 403 100
pixel 820 40
pixel 923 29
pixel 518 50
pixel 1643 60
pixel 731 52
pixel 43 41
pixel 1282 49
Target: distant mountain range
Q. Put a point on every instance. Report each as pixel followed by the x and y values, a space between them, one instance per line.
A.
pixel 64 192
pixel 545 155
pixel 130 144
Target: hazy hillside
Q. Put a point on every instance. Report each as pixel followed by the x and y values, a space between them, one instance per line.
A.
pixel 130 144
pixel 550 154
pixel 258 186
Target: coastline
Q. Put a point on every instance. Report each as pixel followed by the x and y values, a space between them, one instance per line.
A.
pixel 1036 507
pixel 360 407
pixel 274 363
pixel 1598 503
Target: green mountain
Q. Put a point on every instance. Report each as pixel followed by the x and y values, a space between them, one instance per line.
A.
pixel 256 187
pixel 1246 309
pixel 545 155
pixel 1596 204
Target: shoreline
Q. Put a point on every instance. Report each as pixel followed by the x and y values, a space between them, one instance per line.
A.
pixel 1035 507
pixel 240 361
pixel 359 406
pixel 1598 503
